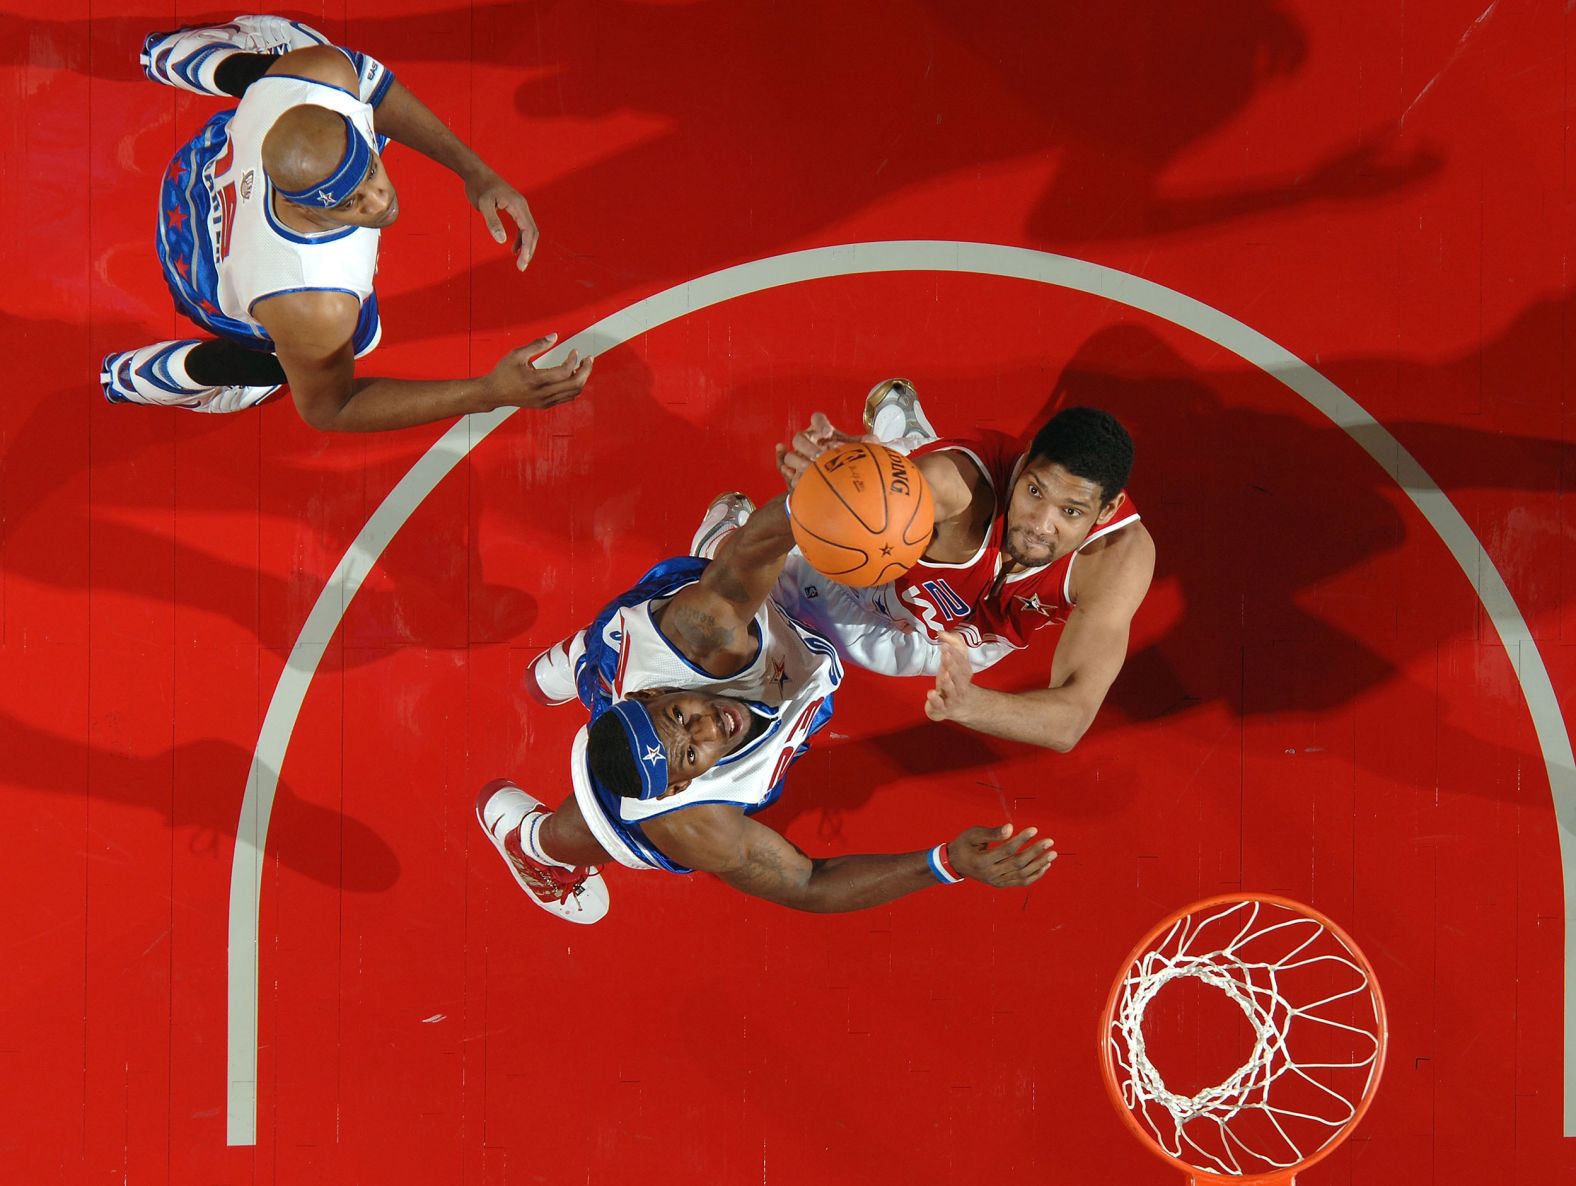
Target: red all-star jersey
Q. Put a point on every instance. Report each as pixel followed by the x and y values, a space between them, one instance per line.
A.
pixel 959 597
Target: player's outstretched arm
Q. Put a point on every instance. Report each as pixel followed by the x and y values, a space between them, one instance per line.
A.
pixel 312 333
pixel 758 861
pixel 1089 656
pixel 710 620
pixel 403 117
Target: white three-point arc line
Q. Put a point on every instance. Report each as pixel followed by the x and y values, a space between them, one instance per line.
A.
pixel 987 259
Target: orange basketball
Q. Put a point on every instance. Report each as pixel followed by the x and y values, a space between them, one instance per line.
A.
pixel 862 514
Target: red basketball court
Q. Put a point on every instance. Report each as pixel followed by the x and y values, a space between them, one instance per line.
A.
pixel 1314 255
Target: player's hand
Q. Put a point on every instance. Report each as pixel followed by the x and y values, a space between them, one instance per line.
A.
pixel 515 383
pixel 949 699
pixel 493 196
pixel 997 857
pixel 808 444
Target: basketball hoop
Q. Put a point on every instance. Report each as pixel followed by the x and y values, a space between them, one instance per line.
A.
pixel 1290 991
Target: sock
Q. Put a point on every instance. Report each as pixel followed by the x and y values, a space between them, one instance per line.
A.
pixel 531 845
pixel 234 72
pixel 218 363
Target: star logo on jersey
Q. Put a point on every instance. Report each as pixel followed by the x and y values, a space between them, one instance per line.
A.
pixel 176 171
pixel 207 306
pixel 779 675
pixel 183 268
pixel 653 754
pixel 177 218
pixel 1033 603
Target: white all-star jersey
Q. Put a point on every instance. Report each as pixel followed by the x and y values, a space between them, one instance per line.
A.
pixel 222 246
pixel 788 684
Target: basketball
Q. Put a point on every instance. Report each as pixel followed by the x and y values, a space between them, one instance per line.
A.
pixel 861 514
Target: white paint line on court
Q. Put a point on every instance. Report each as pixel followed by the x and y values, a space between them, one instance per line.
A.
pixel 987 259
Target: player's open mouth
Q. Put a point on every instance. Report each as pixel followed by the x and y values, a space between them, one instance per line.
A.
pixel 732 720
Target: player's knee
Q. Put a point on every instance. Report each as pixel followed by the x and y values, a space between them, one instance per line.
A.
pixel 321 414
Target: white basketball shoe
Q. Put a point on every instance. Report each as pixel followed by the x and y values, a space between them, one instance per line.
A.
pixel 726 514
pixel 550 677
pixel 187 58
pixel 156 375
pixel 574 895
pixel 894 417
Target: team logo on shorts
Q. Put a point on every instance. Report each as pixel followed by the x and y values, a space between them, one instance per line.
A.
pixel 246 184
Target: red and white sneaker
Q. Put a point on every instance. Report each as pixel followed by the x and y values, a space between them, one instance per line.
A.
pixel 550 677
pixel 575 895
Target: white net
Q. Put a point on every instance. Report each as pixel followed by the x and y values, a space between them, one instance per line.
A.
pixel 1310 1018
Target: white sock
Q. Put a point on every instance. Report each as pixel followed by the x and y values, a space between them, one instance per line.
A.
pixel 532 847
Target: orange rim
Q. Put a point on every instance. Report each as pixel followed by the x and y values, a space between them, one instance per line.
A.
pixel 1113 1089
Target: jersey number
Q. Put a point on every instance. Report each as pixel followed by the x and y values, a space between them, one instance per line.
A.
pixel 790 750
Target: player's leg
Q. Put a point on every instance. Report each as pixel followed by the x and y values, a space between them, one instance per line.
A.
pixel 223 60
pixel 893 415
pixel 868 627
pixel 551 854
pixel 200 375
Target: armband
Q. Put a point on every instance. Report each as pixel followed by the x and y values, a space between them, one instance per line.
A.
pixel 373 78
pixel 942 867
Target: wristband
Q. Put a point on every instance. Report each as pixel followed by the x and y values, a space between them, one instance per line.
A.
pixel 941 866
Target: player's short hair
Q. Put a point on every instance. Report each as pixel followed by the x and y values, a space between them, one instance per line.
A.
pixel 609 756
pixel 1089 444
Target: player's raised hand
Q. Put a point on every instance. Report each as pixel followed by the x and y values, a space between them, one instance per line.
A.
pixel 493 197
pixel 997 857
pixel 949 699
pixel 515 383
pixel 808 444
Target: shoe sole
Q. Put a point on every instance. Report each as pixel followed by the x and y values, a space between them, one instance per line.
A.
pixel 875 396
pixel 587 907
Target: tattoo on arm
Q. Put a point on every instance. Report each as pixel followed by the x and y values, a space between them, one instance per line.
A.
pixel 700 630
pixel 772 868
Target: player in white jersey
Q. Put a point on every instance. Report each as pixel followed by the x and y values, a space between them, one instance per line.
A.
pixel 268 235
pixel 703 691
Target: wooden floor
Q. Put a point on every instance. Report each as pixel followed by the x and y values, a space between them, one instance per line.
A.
pixel 1318 701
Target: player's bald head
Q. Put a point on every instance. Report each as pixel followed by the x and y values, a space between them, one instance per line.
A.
pixel 304 146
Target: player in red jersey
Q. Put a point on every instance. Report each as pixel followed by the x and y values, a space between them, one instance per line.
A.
pixel 1024 539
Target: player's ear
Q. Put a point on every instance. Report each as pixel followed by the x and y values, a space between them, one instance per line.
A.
pixel 674 788
pixel 647 693
pixel 1110 508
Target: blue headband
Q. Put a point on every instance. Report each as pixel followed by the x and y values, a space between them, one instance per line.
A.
pixel 651 758
pixel 347 175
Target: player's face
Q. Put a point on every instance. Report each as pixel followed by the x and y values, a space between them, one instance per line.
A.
pixel 1051 512
pixel 697 730
pixel 374 203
